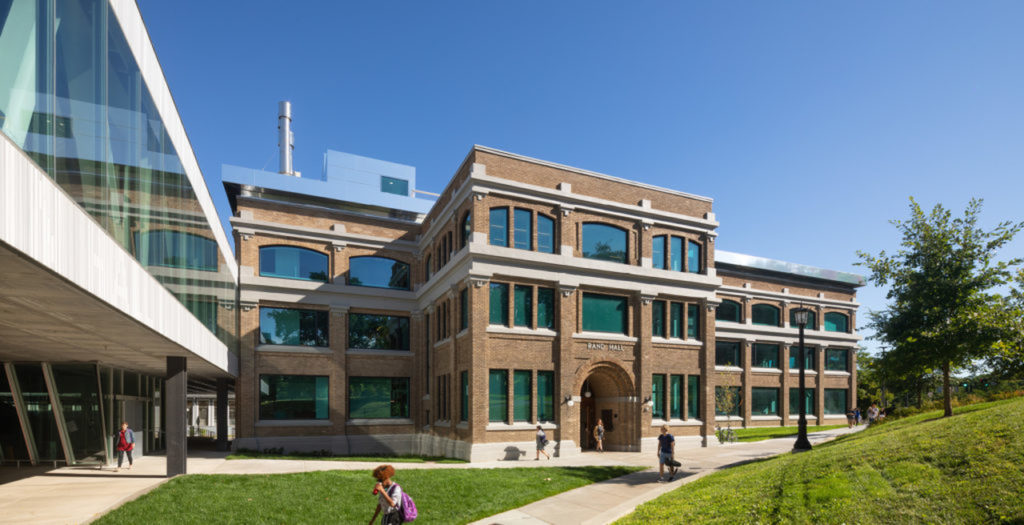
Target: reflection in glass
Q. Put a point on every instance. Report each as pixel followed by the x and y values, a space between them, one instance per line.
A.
pixel 658 396
pixel 764 314
pixel 521 391
pixel 764 401
pixel 794 352
pixel 497 403
pixel 522 222
pixel 728 311
pixel 794 397
pixel 727 353
pixel 545 234
pixel 693 397
pixel 836 359
pixel 604 313
pixel 79 399
pixel 604 242
pixel 546 308
pixel 523 305
pixel 498 235
pixel 378 272
pixel 658 318
pixel 677 254
pixel 379 332
pixel 378 397
pixel 12 440
pixel 287 326
pixel 545 396
pixel 765 356
pixel 291 262
pixel 835 401
pixel 499 304
pixel 39 411
pixel 836 322
pixel 176 250
pixel 658 252
pixel 693 257
pixel 293 397
pixel 812 320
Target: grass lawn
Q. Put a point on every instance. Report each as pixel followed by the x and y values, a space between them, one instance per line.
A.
pixel 920 469
pixel 441 495
pixel 251 454
pixel 763 433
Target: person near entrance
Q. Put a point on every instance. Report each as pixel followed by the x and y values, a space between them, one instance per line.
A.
pixel 599 435
pixel 542 441
pixel 666 454
pixel 125 445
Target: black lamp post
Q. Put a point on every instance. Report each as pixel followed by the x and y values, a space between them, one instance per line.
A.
pixel 800 316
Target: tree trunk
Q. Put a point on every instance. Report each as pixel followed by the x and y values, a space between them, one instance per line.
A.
pixel 947 398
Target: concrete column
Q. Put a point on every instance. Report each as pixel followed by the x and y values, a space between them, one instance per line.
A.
pixel 707 370
pixel 222 413
pixel 745 395
pixel 174 392
pixel 644 366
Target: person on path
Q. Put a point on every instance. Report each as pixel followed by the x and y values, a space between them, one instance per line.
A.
pixel 125 445
pixel 851 418
pixel 872 413
pixel 542 441
pixel 389 496
pixel 666 452
pixel 599 435
pixel 856 414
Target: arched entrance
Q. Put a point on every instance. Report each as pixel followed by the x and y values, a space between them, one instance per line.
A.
pixel 606 393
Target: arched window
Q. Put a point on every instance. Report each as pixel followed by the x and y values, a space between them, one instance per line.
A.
pixel 176 249
pixel 292 262
pixel 545 234
pixel 693 257
pixel 658 252
pixel 729 311
pixel 812 320
pixel 378 272
pixel 837 322
pixel 764 314
pixel 522 229
pixel 498 234
pixel 604 242
pixel 467 229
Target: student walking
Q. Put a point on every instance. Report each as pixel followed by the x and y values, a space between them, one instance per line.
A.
pixel 125 445
pixel 599 435
pixel 872 413
pixel 542 441
pixel 389 496
pixel 666 454
pixel 856 414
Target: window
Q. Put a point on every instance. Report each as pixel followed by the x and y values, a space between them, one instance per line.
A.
pixel 545 234
pixel 464 396
pixel 378 272
pixel 658 318
pixel 794 353
pixel 692 321
pixel 467 229
pixel 499 304
pixel 523 305
pixel 812 320
pixel 521 395
pixel 765 356
pixel 693 397
pixel 426 269
pixel 658 396
pixel 290 262
pixel 794 398
pixel 675 395
pixel 395 186
pixel 522 222
pixel 732 393
pixel 693 257
pixel 729 311
pixel 676 254
pixel 546 308
pixel 765 314
pixel 835 401
pixel 658 252
pixel 378 397
pixel 604 313
pixel 378 332
pixel 764 401
pixel 497 409
pixel 837 359
pixel 604 242
pixel 676 320
pixel 727 353
pixel 464 309
pixel 837 322
pixel 176 249
pixel 293 397
pixel 545 396
pixel 498 235
pixel 286 326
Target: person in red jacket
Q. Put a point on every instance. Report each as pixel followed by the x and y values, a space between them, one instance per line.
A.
pixel 125 444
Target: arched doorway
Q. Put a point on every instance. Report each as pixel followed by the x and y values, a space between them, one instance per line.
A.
pixel 606 394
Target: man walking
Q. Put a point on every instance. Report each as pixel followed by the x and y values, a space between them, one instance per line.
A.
pixel 666 454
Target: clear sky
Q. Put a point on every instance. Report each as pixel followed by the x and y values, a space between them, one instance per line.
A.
pixel 809 123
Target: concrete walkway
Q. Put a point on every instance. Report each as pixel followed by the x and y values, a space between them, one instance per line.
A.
pixel 82 494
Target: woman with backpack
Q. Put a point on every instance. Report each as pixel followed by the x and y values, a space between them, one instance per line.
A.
pixel 389 496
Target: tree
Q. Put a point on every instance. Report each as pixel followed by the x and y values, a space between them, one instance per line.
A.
pixel 940 292
pixel 1007 360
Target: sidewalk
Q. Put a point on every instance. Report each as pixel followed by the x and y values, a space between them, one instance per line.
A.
pixel 82 494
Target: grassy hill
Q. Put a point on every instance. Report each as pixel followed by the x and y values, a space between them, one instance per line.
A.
pixel 922 469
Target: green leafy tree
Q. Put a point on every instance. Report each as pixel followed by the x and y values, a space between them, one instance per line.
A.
pixel 940 293
pixel 1007 359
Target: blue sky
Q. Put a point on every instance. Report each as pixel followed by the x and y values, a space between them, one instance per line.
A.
pixel 809 123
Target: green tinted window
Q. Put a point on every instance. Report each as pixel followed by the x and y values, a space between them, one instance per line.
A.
pixel 467 229
pixel 794 351
pixel 765 314
pixel 524 305
pixel 658 318
pixel 658 396
pixel 604 313
pixel 499 304
pixel 693 397
pixel 836 322
pixel 545 234
pixel 676 255
pixel 287 326
pixel 293 397
pixel 464 309
pixel 395 186
pixel 378 397
pixel 765 356
pixel 604 242
pixel 464 398
pixel 176 249
pixel 498 235
pixel 522 222
pixel 812 321
pixel 692 321
pixel 521 391
pixel 378 332
pixel 676 320
pixel 545 396
pixel 794 396
pixel 764 401
pixel 658 252
pixel 675 393
pixel 727 353
pixel 497 395
pixel 837 359
pixel 693 258
pixel 378 272
pixel 545 308
pixel 835 401
pixel 728 311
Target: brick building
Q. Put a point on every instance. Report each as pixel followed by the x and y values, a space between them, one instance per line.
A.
pixel 527 293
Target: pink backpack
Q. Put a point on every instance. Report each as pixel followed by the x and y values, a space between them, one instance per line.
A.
pixel 407 507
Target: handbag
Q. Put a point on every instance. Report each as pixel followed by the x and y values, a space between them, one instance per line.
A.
pixel 673 463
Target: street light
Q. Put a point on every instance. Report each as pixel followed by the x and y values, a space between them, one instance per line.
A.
pixel 800 316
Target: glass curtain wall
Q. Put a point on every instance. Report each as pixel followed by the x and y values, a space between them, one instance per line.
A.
pixel 73 98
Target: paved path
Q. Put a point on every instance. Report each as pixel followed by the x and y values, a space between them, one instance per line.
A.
pixel 82 494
